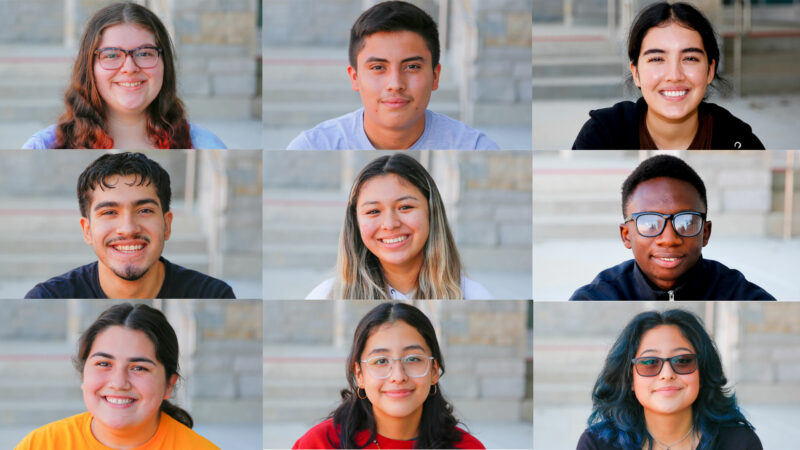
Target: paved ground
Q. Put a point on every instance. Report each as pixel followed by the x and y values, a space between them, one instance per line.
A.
pixel 236 134
pixel 492 435
pixel 775 119
pixel 562 266
pixel 227 437
pixel 559 427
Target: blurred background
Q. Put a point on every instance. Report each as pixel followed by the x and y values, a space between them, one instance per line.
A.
pixel 580 63
pixel 759 343
pixel 217 51
pixel 753 203
pixel 487 196
pixel 486 347
pixel 484 82
pixel 220 365
pixel 216 230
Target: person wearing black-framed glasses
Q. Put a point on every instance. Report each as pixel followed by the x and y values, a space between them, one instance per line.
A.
pixel 665 224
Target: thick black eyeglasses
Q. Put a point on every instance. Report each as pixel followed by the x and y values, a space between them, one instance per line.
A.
pixel 650 366
pixel 146 56
pixel 651 224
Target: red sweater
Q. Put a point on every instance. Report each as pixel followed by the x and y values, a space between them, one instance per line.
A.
pixel 325 435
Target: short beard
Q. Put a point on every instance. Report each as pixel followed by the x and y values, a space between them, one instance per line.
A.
pixel 131 273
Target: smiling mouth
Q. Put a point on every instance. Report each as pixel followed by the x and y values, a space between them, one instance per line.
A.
pixel 398 394
pixel 394 240
pixel 119 401
pixel 130 84
pixel 674 94
pixel 668 262
pixel 129 249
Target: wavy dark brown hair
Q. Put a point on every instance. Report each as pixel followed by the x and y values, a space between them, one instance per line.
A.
pixel 83 124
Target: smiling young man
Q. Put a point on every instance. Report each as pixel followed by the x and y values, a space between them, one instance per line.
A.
pixel 124 201
pixel 664 207
pixel 394 66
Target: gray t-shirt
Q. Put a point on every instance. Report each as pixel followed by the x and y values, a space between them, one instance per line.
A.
pixel 347 133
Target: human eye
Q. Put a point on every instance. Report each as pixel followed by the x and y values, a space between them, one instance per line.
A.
pixel 379 361
pixel 110 54
pixel 146 211
pixel 102 363
pixel 145 52
pixel 106 212
pixel 140 369
pixel 692 59
pixel 655 59
pixel 376 67
pixel 414 358
pixel 414 67
pixel 647 361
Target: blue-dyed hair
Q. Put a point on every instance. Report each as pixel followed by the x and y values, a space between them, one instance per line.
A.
pixel 617 416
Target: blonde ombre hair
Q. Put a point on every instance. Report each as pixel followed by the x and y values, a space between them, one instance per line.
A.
pixel 359 273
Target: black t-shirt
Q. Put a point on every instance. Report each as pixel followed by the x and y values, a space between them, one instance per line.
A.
pixel 179 282
pixel 736 438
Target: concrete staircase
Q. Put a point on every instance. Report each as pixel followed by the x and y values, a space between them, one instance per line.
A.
pixel 39 384
pixel 32 81
pixel 42 238
pixel 304 86
pixel 775 216
pixel 565 368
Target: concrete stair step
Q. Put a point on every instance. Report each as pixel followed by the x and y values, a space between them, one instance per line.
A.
pixel 546 183
pixel 303 212
pixel 578 66
pixel 578 87
pixel 308 369
pixel 312 256
pixel 596 226
pixel 299 389
pixel 37 412
pixel 44 109
pixel 568 203
pixel 300 232
pixel 298 410
pixel 27 87
pixel 573 44
pixel 58 389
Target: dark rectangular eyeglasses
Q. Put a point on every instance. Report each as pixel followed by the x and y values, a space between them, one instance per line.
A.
pixel 651 224
pixel 146 56
pixel 650 366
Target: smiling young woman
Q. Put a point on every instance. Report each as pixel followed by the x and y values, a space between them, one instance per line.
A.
pixel 663 387
pixel 393 398
pixel 128 360
pixel 123 92
pixel 674 58
pixel 396 243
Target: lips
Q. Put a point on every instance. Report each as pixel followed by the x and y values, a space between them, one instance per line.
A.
pixel 676 94
pixel 395 102
pixel 119 402
pixel 668 390
pixel 394 241
pixel 399 393
pixel 129 247
pixel 135 84
pixel 668 261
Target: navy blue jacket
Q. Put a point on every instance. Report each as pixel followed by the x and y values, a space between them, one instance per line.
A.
pixel 707 280
pixel 617 128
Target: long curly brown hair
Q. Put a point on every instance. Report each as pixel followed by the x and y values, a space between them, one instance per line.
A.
pixel 83 124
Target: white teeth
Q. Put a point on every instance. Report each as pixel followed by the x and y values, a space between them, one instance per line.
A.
pixel 129 248
pixel 119 401
pixel 395 240
pixel 136 83
pixel 673 93
pixel 669 259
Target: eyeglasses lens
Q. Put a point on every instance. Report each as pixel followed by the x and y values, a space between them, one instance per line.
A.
pixel 145 58
pixel 652 225
pixel 681 365
pixel 414 366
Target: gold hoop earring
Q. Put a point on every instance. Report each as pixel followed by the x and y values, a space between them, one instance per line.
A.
pixel 435 390
pixel 358 393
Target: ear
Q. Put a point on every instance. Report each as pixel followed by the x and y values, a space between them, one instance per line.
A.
pixel 86 226
pixel 167 225
pixel 353 74
pixel 436 375
pixel 436 71
pixel 359 376
pixel 624 234
pixel 170 386
pixel 635 75
pixel 706 232
pixel 711 72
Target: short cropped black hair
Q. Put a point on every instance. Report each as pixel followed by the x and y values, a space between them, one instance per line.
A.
pixel 394 16
pixel 144 169
pixel 662 166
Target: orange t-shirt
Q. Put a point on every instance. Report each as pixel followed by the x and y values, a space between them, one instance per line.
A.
pixel 75 433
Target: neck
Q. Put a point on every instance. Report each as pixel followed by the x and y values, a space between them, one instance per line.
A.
pixel 147 286
pixel 672 134
pixel 398 428
pixel 669 428
pixel 393 138
pixel 128 130
pixel 127 438
pixel 404 278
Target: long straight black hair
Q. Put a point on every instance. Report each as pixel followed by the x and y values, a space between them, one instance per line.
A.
pixel 152 323
pixel 437 427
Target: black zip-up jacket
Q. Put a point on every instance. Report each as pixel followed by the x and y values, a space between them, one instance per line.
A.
pixel 707 280
pixel 617 128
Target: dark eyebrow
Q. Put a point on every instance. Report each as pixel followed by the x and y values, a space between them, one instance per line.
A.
pixel 145 201
pixel 376 59
pixel 113 204
pixel 400 199
pixel 674 350
pixel 135 359
pixel 405 349
pixel 686 50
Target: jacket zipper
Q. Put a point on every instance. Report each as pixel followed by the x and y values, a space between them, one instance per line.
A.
pixel 671 296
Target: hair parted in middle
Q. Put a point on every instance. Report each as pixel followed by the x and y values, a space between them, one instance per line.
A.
pixel 617 416
pixel 83 124
pixel 359 273
pixel 437 427
pixel 145 172
pixel 155 326
pixel 662 166
pixel 394 16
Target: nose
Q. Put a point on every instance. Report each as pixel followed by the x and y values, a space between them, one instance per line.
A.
pixel 668 237
pixel 675 70
pixel 667 372
pixel 119 378
pixel 128 225
pixel 396 80
pixel 390 220
pixel 398 372
pixel 129 65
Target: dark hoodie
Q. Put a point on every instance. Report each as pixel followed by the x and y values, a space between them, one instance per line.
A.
pixel 707 280
pixel 617 128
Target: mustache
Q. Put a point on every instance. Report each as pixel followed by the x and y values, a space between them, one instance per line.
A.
pixel 117 239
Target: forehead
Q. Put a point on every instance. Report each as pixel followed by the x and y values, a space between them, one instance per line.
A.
pixel 664 195
pixel 121 342
pixel 664 338
pixel 394 336
pixel 393 46
pixel 123 188
pixel 387 186
pixel 671 36
pixel 126 35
